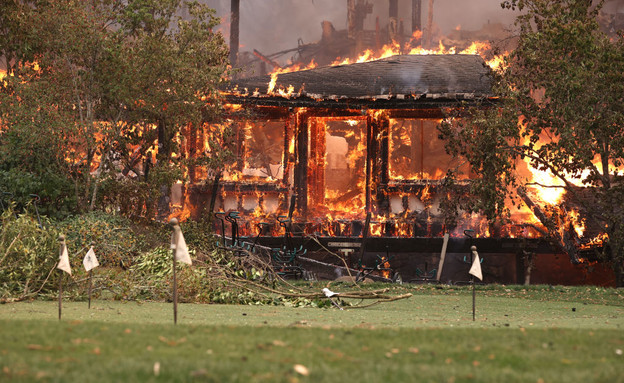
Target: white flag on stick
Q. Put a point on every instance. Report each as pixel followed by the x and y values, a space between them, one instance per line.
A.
pixel 178 244
pixel 475 269
pixel 64 260
pixel 90 261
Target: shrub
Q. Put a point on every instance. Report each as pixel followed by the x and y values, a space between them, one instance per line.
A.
pixel 115 243
pixel 28 256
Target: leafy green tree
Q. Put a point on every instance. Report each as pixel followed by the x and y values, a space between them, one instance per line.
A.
pixel 97 86
pixel 565 83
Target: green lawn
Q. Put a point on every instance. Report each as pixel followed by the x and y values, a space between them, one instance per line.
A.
pixel 536 335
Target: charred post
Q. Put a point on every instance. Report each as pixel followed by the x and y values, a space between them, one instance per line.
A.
pixel 316 163
pixel 301 167
pixel 234 31
pixel 566 239
pixel 266 59
pixel 383 127
pixel 394 20
pixel 371 154
pixel 416 15
pixel 429 30
pixel 351 19
pixel 192 151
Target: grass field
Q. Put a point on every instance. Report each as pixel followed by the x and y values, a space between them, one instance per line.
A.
pixel 540 334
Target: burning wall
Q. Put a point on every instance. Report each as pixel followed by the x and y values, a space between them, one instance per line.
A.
pixel 326 146
pixel 348 140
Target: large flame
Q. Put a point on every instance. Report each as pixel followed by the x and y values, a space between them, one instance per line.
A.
pixel 482 48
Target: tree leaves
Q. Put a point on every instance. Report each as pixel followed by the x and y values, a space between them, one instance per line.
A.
pixel 562 107
pixel 104 84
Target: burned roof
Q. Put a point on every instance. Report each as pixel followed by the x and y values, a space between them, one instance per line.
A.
pixel 401 79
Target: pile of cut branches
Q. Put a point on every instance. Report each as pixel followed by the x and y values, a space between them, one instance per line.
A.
pixel 255 273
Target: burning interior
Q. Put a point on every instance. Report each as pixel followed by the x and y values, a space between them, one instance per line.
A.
pixel 350 156
pixel 346 159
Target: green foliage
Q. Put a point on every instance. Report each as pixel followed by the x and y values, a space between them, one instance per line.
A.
pixel 154 264
pixel 57 199
pixel 115 82
pixel 115 243
pixel 486 139
pixel 152 277
pixel 198 235
pixel 28 256
pixel 563 83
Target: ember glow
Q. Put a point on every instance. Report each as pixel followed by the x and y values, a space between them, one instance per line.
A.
pixel 329 168
pixel 482 48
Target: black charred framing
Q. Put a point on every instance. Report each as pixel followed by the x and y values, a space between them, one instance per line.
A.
pixel 372 95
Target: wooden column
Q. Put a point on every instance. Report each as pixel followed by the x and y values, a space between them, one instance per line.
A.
pixel 301 166
pixel 316 163
pixel 286 160
pixel 428 41
pixel 383 123
pixel 380 125
pixel 192 151
pixel 370 156
pixel 416 15
pixel 351 19
pixel 234 31
pixel 287 163
pixel 394 20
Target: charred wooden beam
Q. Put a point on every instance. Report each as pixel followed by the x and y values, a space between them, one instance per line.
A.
pixel 213 196
pixel 415 113
pixel 251 187
pixel 370 156
pixel 286 160
pixel 393 27
pixel 416 15
pixel 266 59
pixel 383 168
pixel 234 31
pixel 301 166
pixel 192 151
pixel 261 112
pixel 420 244
pixel 316 163
pixel 376 165
pixel 351 19
pixel 429 31
pixel 413 186
pixel 356 14
pixel 565 240
pixel 410 104
pixel 365 236
pixel 347 113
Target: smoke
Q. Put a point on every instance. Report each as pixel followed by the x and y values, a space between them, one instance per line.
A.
pixel 275 25
pixel 469 14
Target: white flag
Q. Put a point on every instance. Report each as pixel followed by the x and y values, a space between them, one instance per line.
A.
pixel 90 261
pixel 178 244
pixel 64 261
pixel 475 269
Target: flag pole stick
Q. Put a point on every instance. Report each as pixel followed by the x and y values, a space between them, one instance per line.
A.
pixel 61 240
pixel 90 281
pixel 174 223
pixel 90 286
pixel 474 295
pixel 473 249
pixel 60 293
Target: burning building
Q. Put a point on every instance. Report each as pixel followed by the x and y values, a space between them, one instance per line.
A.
pixel 350 156
pixel 346 159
